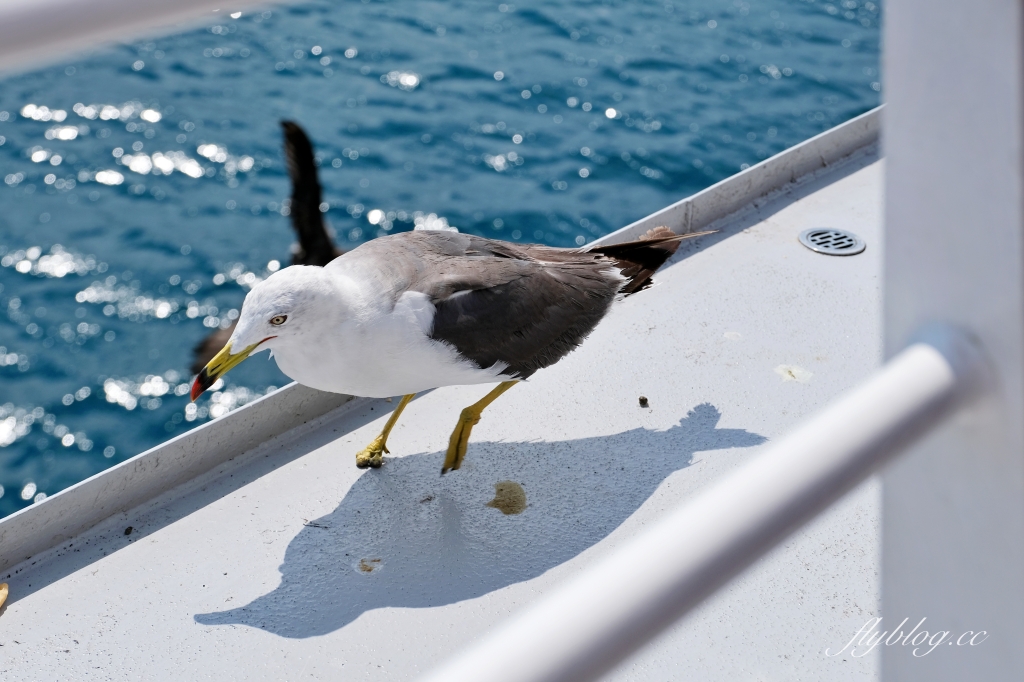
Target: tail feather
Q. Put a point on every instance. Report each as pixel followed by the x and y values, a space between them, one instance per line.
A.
pixel 638 260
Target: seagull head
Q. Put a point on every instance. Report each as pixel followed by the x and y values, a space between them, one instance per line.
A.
pixel 276 311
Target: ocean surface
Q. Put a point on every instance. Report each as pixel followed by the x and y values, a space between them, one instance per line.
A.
pixel 144 187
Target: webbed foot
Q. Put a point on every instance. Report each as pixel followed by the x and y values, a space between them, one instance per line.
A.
pixel 372 456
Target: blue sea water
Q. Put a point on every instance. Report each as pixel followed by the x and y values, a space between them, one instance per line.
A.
pixel 144 184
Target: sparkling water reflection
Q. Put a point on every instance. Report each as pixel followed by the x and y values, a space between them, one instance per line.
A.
pixel 144 191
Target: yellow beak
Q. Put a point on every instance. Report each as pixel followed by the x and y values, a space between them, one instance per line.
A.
pixel 220 365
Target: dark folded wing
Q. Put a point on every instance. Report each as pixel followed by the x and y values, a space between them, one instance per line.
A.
pixel 524 307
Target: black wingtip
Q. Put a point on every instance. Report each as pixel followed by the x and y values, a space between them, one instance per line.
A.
pixel 638 260
pixel 315 245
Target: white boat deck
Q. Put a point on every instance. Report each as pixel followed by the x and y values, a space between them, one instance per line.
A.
pixel 288 563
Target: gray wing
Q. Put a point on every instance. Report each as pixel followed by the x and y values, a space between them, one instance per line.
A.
pixel 496 302
pixel 524 306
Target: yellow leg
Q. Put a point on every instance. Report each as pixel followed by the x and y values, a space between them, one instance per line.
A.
pixel 467 420
pixel 373 454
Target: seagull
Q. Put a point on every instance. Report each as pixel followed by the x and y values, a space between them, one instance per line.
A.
pixel 418 310
pixel 314 246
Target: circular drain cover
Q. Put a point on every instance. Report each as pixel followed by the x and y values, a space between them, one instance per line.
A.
pixel 831 241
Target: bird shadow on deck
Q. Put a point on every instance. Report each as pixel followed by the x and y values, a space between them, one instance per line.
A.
pixel 405 537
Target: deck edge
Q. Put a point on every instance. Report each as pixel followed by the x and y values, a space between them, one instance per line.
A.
pixel 130 484
pixel 74 510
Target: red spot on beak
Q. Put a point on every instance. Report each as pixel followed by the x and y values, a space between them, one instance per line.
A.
pixel 203 381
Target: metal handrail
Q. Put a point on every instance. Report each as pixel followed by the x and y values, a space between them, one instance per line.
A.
pixel 597 620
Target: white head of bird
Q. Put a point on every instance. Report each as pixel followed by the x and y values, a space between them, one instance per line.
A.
pixel 277 313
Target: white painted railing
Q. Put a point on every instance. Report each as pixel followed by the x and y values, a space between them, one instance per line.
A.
pixel 601 617
pixel 33 32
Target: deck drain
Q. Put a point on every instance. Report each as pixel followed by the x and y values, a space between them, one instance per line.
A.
pixel 832 242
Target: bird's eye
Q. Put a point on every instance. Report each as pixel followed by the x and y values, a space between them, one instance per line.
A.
pixel 278 320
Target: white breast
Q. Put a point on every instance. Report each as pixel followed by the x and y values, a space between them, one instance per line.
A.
pixel 381 353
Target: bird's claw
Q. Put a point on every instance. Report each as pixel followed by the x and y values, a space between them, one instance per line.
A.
pixel 372 456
